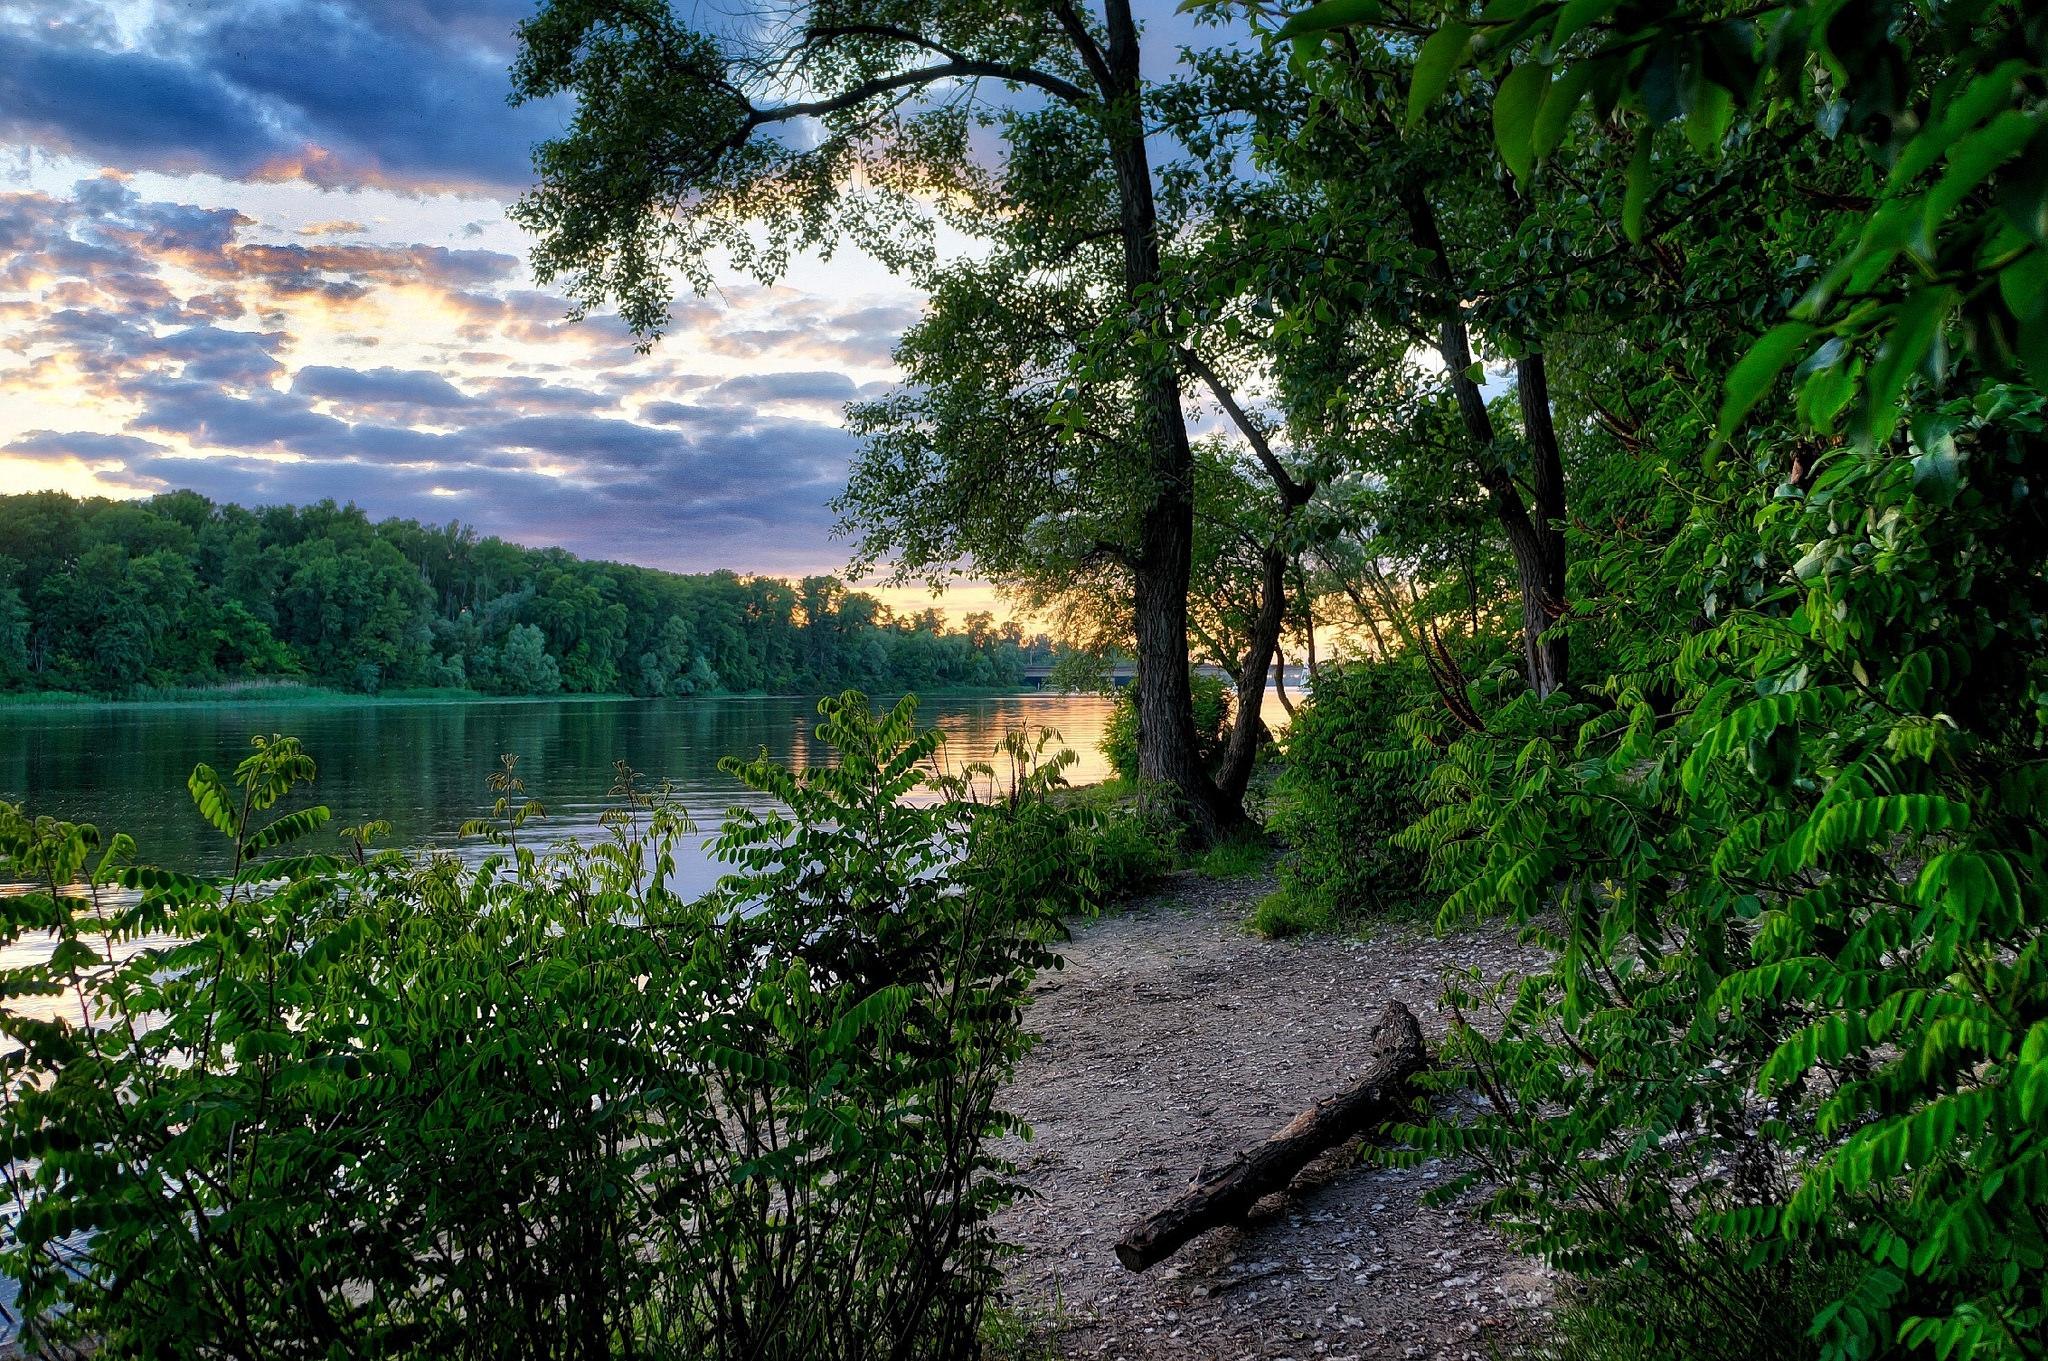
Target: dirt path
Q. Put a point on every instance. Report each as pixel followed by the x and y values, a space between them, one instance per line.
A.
pixel 1174 1038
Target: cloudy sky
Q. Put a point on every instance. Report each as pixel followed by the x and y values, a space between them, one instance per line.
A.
pixel 260 250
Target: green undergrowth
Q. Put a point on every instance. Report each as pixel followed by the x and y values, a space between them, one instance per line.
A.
pixel 540 1108
pixel 1236 858
pixel 1711 1314
pixel 1281 915
pixel 1136 843
pixel 1011 1333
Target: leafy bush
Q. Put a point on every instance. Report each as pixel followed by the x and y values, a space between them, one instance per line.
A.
pixel 1799 999
pixel 1344 790
pixel 1799 1003
pixel 1785 830
pixel 376 1106
pixel 1129 840
pixel 1212 715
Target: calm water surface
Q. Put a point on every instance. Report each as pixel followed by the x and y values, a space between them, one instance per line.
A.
pixel 422 767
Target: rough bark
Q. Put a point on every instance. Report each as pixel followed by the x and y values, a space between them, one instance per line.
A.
pixel 1224 1196
pixel 1167 752
pixel 1546 487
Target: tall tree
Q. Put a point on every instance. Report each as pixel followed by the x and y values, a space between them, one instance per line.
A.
pixel 792 132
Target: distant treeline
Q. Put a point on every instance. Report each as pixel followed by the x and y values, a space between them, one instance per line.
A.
pixel 116 596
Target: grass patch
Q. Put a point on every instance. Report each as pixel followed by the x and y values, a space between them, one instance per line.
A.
pixel 1114 792
pixel 1281 915
pixel 1009 1334
pixel 48 699
pixel 1234 859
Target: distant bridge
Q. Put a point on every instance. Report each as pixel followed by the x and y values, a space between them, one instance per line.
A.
pixel 1037 677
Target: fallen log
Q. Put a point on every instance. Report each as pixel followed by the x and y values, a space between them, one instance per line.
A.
pixel 1226 1194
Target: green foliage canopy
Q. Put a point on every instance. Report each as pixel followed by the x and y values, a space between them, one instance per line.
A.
pixel 111 597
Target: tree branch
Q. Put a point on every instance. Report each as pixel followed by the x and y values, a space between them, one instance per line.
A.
pixel 1084 43
pixel 959 69
pixel 1292 492
pixel 1058 86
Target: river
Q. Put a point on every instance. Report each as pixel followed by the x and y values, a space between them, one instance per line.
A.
pixel 423 766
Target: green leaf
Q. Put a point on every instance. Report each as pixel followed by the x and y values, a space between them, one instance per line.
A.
pixel 1576 15
pixel 2032 347
pixel 1706 123
pixel 1435 64
pixel 1515 107
pixel 215 801
pixel 1753 375
pixel 1915 324
pixel 2023 284
pixel 1937 471
pixel 1985 94
pixel 1560 101
pixel 1970 163
pixel 1329 14
pixel 289 828
pixel 1636 199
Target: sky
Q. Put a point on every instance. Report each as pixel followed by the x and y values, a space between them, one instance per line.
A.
pixel 260 250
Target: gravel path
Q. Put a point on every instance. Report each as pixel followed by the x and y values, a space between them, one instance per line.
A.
pixel 1174 1038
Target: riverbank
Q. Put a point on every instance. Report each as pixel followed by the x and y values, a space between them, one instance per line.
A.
pixel 1174 1038
pixel 264 692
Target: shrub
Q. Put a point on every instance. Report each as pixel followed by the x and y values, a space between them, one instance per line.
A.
pixel 375 1106
pixel 1212 715
pixel 1130 844
pixel 1343 792
pixel 1792 876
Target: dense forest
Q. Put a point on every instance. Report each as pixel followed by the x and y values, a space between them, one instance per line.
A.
pixel 121 597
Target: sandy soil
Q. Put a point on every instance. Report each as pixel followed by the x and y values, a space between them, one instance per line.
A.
pixel 1173 1038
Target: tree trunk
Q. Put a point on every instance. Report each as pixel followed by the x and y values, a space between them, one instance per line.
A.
pixel 1225 1196
pixel 1535 543
pixel 1236 771
pixel 1546 486
pixel 1167 753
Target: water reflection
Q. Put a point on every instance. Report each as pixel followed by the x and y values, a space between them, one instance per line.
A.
pixel 423 767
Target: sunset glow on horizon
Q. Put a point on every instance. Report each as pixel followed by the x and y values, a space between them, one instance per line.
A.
pixel 224 271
